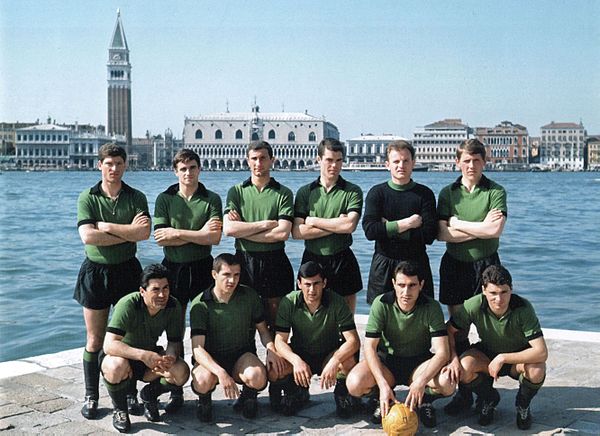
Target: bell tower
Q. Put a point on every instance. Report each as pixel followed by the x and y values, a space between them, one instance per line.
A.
pixel 119 84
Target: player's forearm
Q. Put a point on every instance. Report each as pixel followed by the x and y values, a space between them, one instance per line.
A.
pixel 204 358
pixel 347 349
pixel 306 232
pixel 200 237
pixel 451 234
pixel 286 352
pixel 340 225
pixel 120 349
pixel 100 239
pixel 276 234
pixel 480 230
pixel 242 229
pixel 128 232
pixel 374 364
pixel 530 355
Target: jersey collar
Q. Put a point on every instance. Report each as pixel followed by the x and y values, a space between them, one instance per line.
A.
pixel 274 184
pixel 484 182
pixel 174 189
pixel 340 183
pixel 97 188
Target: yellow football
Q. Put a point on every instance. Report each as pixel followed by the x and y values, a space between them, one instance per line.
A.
pixel 400 421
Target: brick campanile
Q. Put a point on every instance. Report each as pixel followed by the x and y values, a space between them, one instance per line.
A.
pixel 119 84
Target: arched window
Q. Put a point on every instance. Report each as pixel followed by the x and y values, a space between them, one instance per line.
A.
pixel 198 134
pixel 218 134
pixel 312 137
pixel 291 136
pixel 255 136
pixel 271 134
pixel 239 134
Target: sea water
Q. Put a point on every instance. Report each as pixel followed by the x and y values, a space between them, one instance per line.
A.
pixel 551 245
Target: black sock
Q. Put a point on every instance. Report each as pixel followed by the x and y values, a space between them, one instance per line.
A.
pixel 483 386
pixel 118 393
pixel 91 374
pixel 430 395
pixel 527 390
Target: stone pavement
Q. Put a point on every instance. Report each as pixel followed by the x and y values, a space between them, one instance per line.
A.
pixel 43 394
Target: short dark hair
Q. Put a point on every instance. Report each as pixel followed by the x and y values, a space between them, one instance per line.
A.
pixel 154 271
pixel 112 150
pixel 398 146
pixel 331 144
pixel 225 259
pixel 471 146
pixel 409 268
pixel 310 269
pixel 184 155
pixel 260 145
pixel 496 275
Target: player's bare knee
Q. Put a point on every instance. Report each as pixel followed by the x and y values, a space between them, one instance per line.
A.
pixel 535 372
pixel 179 374
pixel 255 377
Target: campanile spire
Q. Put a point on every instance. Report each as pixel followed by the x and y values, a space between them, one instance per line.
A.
pixel 119 83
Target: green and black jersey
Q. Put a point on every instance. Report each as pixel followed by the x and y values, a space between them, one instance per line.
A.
pixel 94 206
pixel 173 210
pixel 314 200
pixel 274 202
pixel 229 327
pixel 318 333
pixel 507 334
pixel 405 334
pixel 456 200
pixel 139 329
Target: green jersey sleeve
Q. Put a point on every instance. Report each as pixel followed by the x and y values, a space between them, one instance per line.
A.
pixel 376 321
pixel 161 211
pixel 355 200
pixel 301 202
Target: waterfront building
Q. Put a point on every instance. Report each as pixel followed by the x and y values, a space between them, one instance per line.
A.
pixel 119 84
pixel 368 149
pixel 42 146
pixel 593 153
pixel 67 146
pixel 8 136
pixel 221 139
pixel 562 146
pixel 507 145
pixel 436 143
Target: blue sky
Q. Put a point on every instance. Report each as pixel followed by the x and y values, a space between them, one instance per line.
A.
pixel 368 66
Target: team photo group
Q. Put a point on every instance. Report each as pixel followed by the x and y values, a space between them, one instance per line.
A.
pixel 305 321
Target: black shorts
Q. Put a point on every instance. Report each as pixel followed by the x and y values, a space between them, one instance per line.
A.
pixel 382 270
pixel 190 278
pixel 341 271
pixel 138 368
pixel 505 370
pixel 99 286
pixel 460 281
pixel 315 361
pixel 269 273
pixel 402 368
pixel 228 360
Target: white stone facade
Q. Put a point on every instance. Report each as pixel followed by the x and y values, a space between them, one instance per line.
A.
pixel 54 147
pixel 435 144
pixel 221 140
pixel 369 149
pixel 563 146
